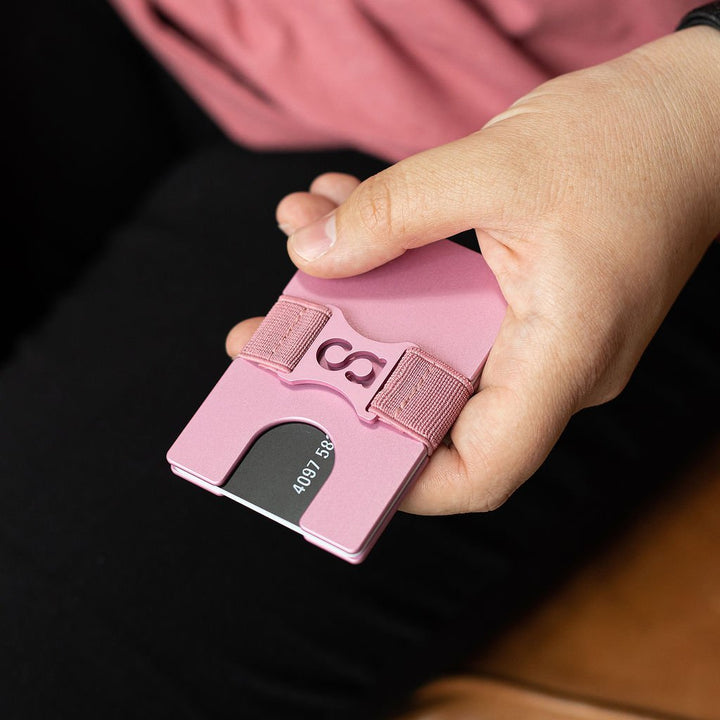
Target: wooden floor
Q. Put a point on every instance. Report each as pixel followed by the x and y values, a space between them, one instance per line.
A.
pixel 635 634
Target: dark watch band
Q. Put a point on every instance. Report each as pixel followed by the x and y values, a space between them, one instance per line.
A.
pixel 704 15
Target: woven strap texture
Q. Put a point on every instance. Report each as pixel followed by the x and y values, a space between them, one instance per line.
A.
pixel 423 397
pixel 286 333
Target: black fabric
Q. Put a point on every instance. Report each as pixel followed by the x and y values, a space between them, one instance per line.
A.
pixel 90 122
pixel 127 592
pixel 704 15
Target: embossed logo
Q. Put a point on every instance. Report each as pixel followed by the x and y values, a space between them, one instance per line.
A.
pixel 361 366
pixel 346 361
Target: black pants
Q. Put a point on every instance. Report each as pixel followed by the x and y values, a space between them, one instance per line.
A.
pixel 126 592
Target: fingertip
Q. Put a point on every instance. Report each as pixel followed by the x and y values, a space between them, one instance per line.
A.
pixel 323 250
pixel 335 186
pixel 239 335
pixel 299 209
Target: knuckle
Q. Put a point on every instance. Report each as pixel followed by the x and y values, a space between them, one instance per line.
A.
pixel 377 207
pixel 479 493
pixel 609 369
pixel 610 389
pixel 491 498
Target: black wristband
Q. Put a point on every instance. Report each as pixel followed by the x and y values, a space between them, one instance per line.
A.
pixel 705 15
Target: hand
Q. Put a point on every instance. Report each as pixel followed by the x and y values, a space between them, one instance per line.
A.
pixel 593 198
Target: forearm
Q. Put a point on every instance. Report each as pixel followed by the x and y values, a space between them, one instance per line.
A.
pixel 685 68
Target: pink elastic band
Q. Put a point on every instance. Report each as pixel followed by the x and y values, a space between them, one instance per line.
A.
pixel 422 396
pixel 286 333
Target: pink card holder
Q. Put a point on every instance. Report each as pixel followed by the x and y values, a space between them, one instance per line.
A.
pixel 343 393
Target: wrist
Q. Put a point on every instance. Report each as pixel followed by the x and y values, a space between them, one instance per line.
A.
pixel 684 67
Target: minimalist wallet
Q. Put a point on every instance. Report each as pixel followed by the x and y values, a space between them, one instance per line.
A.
pixel 343 393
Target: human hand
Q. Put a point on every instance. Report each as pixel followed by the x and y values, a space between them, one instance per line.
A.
pixel 593 198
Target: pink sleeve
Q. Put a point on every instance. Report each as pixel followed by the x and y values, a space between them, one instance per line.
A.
pixel 389 77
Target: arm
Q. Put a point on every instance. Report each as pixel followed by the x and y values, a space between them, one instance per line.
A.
pixel 593 198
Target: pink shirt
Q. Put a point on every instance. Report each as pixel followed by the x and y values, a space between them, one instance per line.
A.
pixel 389 77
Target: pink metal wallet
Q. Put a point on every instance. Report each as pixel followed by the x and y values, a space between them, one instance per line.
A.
pixel 343 393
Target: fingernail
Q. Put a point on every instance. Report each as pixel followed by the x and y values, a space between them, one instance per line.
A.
pixel 314 240
pixel 286 228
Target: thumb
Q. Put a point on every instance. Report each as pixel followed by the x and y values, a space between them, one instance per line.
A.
pixel 423 198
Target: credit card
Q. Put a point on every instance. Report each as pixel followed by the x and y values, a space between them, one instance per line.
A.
pixel 283 471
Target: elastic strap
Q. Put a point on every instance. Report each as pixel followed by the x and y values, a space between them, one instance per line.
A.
pixel 422 397
pixel 286 333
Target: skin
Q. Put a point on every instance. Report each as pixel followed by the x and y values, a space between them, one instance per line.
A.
pixel 594 197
